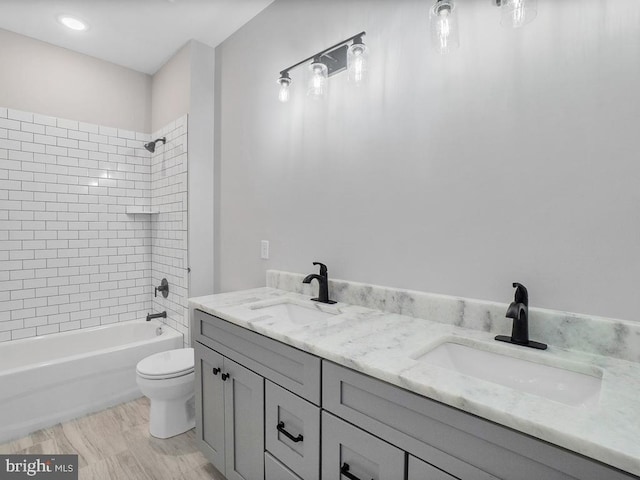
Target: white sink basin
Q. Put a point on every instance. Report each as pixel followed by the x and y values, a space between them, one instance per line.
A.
pixel 294 312
pixel 551 382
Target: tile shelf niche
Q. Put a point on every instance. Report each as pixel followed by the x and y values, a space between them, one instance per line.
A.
pixel 137 210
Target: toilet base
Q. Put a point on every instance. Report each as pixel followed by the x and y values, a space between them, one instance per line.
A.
pixel 172 397
pixel 168 418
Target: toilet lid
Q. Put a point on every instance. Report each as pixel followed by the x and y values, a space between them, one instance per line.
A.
pixel 169 364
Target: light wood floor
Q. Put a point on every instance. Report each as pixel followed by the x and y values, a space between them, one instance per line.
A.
pixel 115 444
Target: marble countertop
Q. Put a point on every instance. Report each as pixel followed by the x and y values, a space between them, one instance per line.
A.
pixel 386 345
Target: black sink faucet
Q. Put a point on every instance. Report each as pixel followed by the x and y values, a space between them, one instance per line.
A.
pixel 323 284
pixel 519 311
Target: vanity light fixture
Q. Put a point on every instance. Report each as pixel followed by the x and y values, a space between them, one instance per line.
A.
pixel 357 61
pixel 444 26
pixel 72 23
pixel 284 81
pixel 326 63
pixel 517 13
pixel 319 80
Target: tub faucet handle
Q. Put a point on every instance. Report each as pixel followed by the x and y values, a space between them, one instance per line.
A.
pixel 163 288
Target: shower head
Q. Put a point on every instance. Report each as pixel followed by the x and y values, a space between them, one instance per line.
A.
pixel 151 146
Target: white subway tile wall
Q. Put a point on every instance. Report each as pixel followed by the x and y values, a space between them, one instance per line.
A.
pixel 70 255
pixel 169 227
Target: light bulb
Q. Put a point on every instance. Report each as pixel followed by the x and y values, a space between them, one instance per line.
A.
pixel 444 26
pixel 72 23
pixel 283 94
pixel 318 82
pixel 357 59
pixel 284 81
pixel 517 13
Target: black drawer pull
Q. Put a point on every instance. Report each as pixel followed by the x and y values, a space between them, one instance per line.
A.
pixel 344 470
pixel 281 429
pixel 225 376
pixel 216 371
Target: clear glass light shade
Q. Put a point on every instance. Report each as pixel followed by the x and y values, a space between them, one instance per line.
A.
pixel 283 93
pixel 444 26
pixel 318 81
pixel 357 62
pixel 516 13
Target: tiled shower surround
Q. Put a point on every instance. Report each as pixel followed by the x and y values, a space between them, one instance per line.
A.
pixel 169 225
pixel 70 254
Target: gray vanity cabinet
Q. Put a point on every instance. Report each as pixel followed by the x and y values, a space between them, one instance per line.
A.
pixel 348 452
pixel 463 445
pixel 292 431
pixel 256 396
pixel 419 470
pixel 210 405
pixel 230 415
pixel 244 422
pixel 275 470
pixel 293 369
pixel 269 402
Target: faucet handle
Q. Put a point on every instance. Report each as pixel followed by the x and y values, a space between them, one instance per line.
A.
pixel 164 288
pixel 323 268
pixel 521 295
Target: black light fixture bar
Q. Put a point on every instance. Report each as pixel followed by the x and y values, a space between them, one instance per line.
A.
pixel 322 52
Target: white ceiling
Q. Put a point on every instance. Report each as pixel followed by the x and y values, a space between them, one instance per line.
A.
pixel 138 34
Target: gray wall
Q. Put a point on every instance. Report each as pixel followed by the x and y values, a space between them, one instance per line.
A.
pixel 171 89
pixel 38 77
pixel 514 159
pixel 57 82
pixel 185 85
pixel 201 174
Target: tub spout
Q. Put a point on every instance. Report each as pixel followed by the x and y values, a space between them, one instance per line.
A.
pixel 151 316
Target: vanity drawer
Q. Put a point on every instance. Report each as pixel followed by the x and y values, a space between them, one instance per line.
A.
pixel 361 455
pixel 294 369
pixel 419 470
pixel 464 445
pixel 299 419
pixel 274 470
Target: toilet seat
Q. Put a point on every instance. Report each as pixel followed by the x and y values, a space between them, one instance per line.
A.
pixel 165 365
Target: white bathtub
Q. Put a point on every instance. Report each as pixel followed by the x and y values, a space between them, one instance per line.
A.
pixel 49 379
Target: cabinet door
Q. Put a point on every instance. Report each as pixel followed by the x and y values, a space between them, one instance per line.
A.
pixel 419 470
pixel 244 422
pixel 351 453
pixel 210 405
pixel 287 416
pixel 274 470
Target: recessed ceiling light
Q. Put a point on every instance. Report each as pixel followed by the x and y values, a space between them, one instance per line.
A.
pixel 72 23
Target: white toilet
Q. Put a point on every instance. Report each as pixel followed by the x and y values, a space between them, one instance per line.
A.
pixel 167 379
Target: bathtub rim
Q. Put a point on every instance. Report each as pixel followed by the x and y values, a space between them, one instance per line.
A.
pixel 167 330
